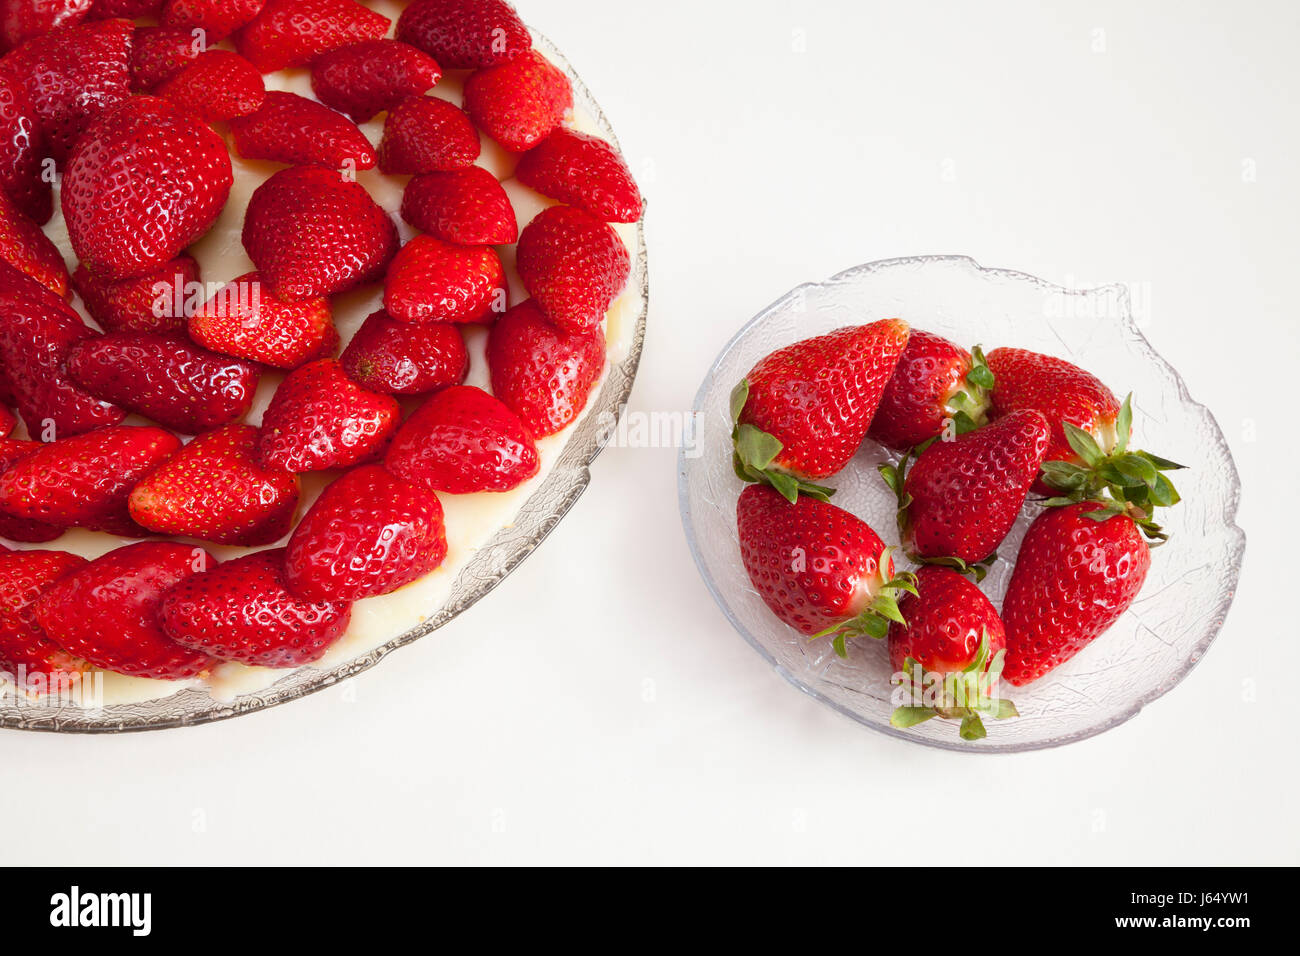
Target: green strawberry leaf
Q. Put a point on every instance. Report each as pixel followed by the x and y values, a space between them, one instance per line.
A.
pixel 1123 425
pixel 1084 445
pixel 739 396
pixel 905 717
pixel 972 728
pixel 757 448
pixel 1162 464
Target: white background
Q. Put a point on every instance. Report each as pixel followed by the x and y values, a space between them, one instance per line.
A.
pixel 598 707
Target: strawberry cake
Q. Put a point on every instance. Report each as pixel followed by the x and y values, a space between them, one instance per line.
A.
pixel 300 302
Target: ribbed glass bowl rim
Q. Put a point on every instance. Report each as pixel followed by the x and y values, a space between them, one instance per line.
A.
pixel 1232 573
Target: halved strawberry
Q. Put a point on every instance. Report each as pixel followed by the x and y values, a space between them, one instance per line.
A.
pixel 583 171
pixel 435 281
pixel 37 331
pixel 242 611
pixel 293 129
pixel 367 534
pixel 12 451
pixel 310 232
pixel 27 655
pixel 518 103
pixel 218 85
pixel 160 53
pixel 293 32
pixel 144 182
pixel 84 481
pixel 26 247
pixel 425 134
pixel 213 489
pixel 107 612
pixel 73 74
pixel 461 441
pixel 165 377
pixel 465 34
pixel 22 150
pixel 366 78
pixel 246 319
pixel 218 19
pixel 154 302
pixel 319 418
pixel 573 265
pixel 465 206
pixel 398 358
pixel 21 20
pixel 545 375
pixel 938 388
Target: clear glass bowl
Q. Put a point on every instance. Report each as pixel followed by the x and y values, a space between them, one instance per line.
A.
pixel 1192 578
pixel 540 513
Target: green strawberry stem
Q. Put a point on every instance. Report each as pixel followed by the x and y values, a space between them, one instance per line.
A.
pixel 964 696
pixel 895 477
pixel 969 405
pixel 874 620
pixel 1125 482
pixel 755 450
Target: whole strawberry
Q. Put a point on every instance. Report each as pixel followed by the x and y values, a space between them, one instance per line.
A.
pixel 12 451
pixel 22 150
pixel 398 358
pixel 583 171
pixel 26 247
pixel 165 377
pixel 461 441
pixel 311 233
pixel 425 134
pixel 961 497
pixel 467 207
pixel 820 569
pixel 106 612
pixel 293 129
pixel 366 78
pixel 573 265
pixel 144 182
pixel 802 411
pixel 938 388
pixel 435 281
pixel 20 20
pixel 949 655
pixel 519 103
pixel 159 53
pixel 292 32
pixel 217 19
pixel 218 85
pixel 465 34
pixel 246 319
pixel 319 418
pixel 543 374
pixel 214 490
pixel 368 534
pixel 157 301
pixel 242 611
pixel 27 655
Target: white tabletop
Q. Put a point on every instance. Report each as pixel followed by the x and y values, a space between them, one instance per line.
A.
pixel 597 707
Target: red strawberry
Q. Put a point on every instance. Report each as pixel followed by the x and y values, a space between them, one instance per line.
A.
pixel 583 171
pixel 465 206
pixel 368 534
pixel 1073 579
pixel 397 358
pixel 144 182
pixel 434 281
pixel 7 422
pixel 573 265
pixel 961 497
pixel 154 302
pixel 937 388
pixel 107 611
pixel 518 103
pixel 6 390
pixel 293 32
pixel 104 9
pixel 166 378
pixel 319 418
pixel 955 634
pixel 246 319
pixel 29 250
pixel 465 34
pixel 21 20
pixel 543 374
pixel 241 611
pixel 819 568
pixel 462 440
pixel 214 490
pixel 160 53
pixel 802 411
pixel 312 233
pixel 293 129
pixel 22 148
pixel 84 481
pixel 37 331
pixel 216 18
pixel 27 655
pixel 367 78
pixel 218 85
pixel 425 134
pixel 72 75
pixel 12 451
